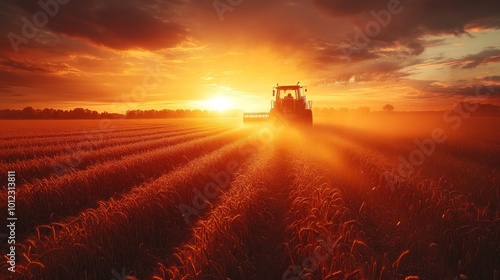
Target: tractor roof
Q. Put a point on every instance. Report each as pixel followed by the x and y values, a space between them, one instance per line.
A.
pixel 289 87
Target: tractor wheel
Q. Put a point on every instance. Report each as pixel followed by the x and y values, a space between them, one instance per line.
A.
pixel 308 118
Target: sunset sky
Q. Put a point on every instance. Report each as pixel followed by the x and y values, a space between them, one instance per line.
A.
pixel 151 54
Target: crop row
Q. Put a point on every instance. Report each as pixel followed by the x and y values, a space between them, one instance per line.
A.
pixel 74 128
pixel 445 163
pixel 236 233
pixel 20 153
pixel 323 240
pixel 96 136
pixel 127 230
pixel 79 135
pixel 50 199
pixel 427 217
pixel 79 160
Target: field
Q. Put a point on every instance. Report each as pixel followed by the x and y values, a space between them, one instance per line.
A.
pixel 382 197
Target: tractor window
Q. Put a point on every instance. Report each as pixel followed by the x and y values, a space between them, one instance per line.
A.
pixel 286 93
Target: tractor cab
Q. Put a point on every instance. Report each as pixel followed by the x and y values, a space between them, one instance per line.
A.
pixel 291 103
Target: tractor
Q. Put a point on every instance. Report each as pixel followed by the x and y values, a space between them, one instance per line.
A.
pixel 289 104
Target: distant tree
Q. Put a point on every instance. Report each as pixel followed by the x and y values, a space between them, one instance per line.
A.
pixel 363 110
pixel 47 113
pixel 59 114
pixel 344 110
pixel 77 113
pixel 388 108
pixel 29 112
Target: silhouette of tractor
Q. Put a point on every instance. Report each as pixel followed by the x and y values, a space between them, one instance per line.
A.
pixel 289 104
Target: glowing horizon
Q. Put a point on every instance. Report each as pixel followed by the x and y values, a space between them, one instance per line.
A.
pixel 349 55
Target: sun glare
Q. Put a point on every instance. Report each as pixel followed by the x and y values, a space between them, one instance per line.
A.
pixel 219 103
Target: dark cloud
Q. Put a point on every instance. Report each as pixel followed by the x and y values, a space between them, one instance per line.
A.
pixel 286 25
pixel 446 90
pixel 423 16
pixel 28 76
pixel 157 24
pixel 492 78
pixel 31 67
pixel 402 32
pixel 347 7
pixel 20 65
pixel 117 24
pixel 486 56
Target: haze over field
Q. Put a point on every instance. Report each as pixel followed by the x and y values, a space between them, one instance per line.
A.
pixel 416 55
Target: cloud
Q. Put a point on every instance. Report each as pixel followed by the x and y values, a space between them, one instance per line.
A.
pixel 402 33
pixel 492 78
pixel 461 89
pixel 117 24
pixel 20 65
pixel 423 16
pixel 490 55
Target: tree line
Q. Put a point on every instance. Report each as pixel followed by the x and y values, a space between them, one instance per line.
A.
pixel 81 113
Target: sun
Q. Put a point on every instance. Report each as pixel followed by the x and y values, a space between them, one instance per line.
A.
pixel 219 103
